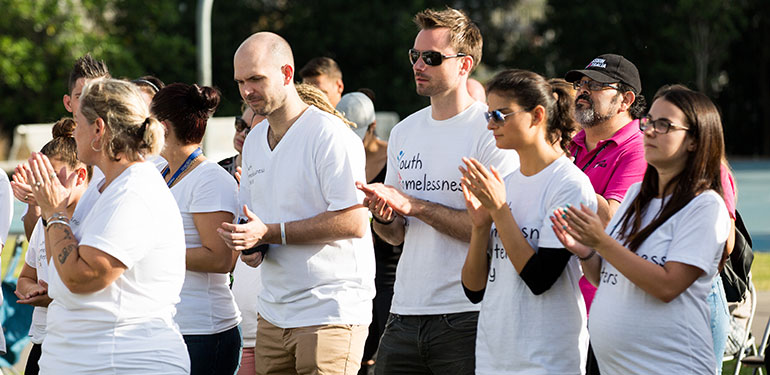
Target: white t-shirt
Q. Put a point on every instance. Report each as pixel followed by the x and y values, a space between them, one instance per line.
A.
pixel 311 171
pixel 36 259
pixel 207 305
pixel 633 332
pixel 520 332
pixel 423 156
pixel 6 209
pixel 247 284
pixel 128 326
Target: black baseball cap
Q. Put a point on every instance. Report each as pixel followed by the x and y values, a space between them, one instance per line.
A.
pixel 609 68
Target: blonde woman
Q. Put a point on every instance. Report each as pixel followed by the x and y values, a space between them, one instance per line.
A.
pixel 117 264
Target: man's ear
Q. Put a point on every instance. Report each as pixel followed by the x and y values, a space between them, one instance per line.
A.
pixel 288 74
pixel 628 99
pixel 467 65
pixel 340 86
pixel 67 102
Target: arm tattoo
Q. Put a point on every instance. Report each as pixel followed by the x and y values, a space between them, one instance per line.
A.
pixel 66 252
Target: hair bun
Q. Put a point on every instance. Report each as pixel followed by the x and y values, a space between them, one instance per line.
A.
pixel 63 128
pixel 204 98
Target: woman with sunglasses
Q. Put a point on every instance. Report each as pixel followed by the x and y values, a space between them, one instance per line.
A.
pixel 243 124
pixel 532 318
pixel 207 314
pixel 655 262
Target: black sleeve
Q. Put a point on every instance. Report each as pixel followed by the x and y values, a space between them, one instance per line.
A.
pixel 474 296
pixel 543 268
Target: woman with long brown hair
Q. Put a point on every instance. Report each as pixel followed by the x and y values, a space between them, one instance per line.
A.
pixel 655 263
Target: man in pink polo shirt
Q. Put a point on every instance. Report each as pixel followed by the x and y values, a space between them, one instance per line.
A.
pixel 609 149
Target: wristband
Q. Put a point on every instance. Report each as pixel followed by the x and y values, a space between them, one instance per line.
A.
pixel 57 216
pixel 283 234
pixel 587 257
pixel 383 222
pixel 58 221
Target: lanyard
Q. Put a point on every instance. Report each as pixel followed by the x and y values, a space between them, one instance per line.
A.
pixel 182 168
pixel 577 150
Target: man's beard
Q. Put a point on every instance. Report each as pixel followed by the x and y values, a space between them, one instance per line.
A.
pixel 588 116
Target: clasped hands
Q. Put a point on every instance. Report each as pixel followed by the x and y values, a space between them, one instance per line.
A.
pixel 240 237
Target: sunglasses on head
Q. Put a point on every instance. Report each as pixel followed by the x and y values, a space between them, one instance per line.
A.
pixel 431 58
pixel 241 125
pixel 498 116
pixel 660 126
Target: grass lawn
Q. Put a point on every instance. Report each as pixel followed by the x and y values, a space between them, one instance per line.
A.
pixel 728 368
pixel 761 271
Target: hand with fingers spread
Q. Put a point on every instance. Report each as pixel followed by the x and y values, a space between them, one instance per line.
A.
pixel 380 200
pixel 585 226
pixel 486 185
pixel 241 237
pixel 21 188
pixel 51 195
pixel 570 243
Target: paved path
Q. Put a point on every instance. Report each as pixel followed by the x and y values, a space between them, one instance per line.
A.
pixel 762 315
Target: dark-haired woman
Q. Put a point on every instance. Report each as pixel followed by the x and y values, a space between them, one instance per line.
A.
pixel 32 286
pixel 655 262
pixel 532 318
pixel 207 196
pixel 116 266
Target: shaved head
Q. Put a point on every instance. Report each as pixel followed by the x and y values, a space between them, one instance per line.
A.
pixel 476 89
pixel 263 68
pixel 268 47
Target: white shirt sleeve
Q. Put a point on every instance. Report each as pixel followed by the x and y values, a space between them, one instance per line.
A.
pixel 35 240
pixel 340 161
pixel 214 193
pixel 704 232
pixel 118 228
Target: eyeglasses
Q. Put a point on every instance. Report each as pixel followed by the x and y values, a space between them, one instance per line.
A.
pixel 660 126
pixel 593 85
pixel 241 125
pixel 499 117
pixel 431 58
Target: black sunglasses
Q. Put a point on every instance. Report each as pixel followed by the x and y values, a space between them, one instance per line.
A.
pixel 241 125
pixel 660 126
pixel 498 116
pixel 431 58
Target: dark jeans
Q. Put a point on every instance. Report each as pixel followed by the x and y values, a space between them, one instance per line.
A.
pixel 34 355
pixel 428 344
pixel 218 354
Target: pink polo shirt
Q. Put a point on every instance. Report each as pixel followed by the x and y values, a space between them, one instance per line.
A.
pixel 615 163
pixel 612 166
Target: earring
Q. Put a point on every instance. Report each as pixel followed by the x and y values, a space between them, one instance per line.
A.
pixel 94 148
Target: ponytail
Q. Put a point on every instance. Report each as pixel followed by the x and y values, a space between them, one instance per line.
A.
pixel 561 124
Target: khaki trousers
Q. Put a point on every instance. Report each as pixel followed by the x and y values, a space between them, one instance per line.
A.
pixel 314 350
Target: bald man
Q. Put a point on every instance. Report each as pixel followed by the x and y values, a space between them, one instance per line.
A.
pixel 476 90
pixel 298 189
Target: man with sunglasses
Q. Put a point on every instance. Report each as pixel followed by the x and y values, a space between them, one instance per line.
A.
pixel 432 325
pixel 609 149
